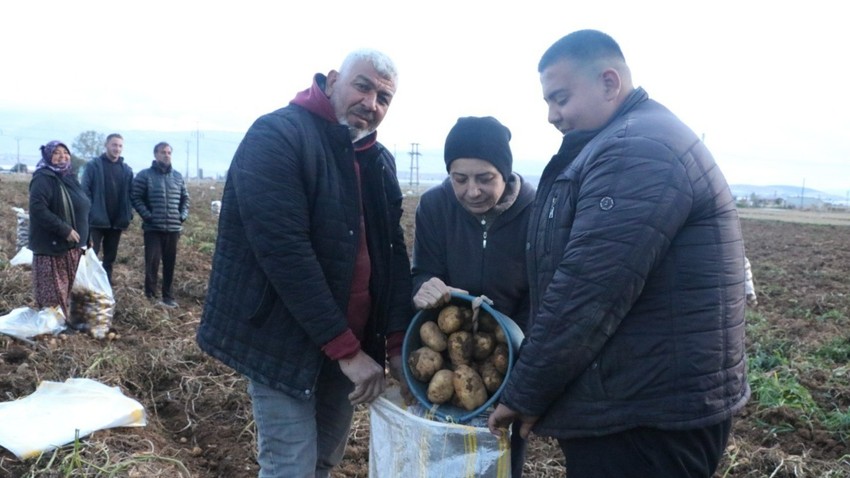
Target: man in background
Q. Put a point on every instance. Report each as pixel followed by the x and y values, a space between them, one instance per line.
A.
pixel 107 181
pixel 159 196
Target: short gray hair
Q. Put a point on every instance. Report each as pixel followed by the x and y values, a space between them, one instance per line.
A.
pixel 380 61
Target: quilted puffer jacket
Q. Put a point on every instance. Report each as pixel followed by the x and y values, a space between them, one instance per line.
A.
pixel 285 254
pixel 636 265
pixel 159 196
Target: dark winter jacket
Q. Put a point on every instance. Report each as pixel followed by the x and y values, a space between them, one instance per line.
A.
pixel 159 196
pixel 451 244
pixel 93 185
pixel 53 214
pixel 285 253
pixel 636 263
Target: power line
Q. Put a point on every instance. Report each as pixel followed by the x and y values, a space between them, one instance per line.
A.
pixel 414 163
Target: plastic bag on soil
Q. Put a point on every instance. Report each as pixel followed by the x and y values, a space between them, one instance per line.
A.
pixel 56 412
pixel 23 228
pixel 402 443
pixel 22 258
pixel 26 322
pixel 92 303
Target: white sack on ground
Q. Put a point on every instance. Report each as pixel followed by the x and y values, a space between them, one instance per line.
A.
pixel 26 322
pixel 23 229
pixel 22 258
pixel 404 444
pixel 50 417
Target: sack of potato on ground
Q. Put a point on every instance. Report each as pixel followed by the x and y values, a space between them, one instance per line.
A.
pixel 457 363
pixel 92 302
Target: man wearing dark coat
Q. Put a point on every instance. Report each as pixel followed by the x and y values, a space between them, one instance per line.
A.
pixel 309 292
pixel 634 352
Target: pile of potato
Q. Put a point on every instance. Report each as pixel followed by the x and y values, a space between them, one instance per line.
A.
pixel 461 364
pixel 91 311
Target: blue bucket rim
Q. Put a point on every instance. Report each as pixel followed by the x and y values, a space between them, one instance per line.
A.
pixel 448 412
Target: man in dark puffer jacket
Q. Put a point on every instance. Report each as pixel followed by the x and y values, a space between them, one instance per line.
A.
pixel 634 353
pixel 159 196
pixel 309 291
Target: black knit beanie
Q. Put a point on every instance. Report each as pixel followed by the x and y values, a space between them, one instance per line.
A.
pixel 480 138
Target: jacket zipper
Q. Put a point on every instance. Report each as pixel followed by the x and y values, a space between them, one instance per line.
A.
pixel 550 224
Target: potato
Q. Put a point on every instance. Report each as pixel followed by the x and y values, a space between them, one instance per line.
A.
pixel 486 322
pixel 500 336
pixel 441 388
pixel 466 316
pixel 450 319
pixel 432 336
pixel 460 347
pixel 424 363
pixel 491 377
pixel 483 344
pixel 469 388
pixel 500 358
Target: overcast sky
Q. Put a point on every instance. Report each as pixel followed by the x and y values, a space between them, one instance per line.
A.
pixel 755 77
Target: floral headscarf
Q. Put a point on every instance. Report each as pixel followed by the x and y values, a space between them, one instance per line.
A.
pixel 47 156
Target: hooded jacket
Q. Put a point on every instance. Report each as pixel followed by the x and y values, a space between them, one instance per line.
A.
pixel 93 184
pixel 451 244
pixel 636 263
pixel 287 242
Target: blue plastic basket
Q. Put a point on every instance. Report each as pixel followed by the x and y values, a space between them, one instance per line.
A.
pixel 412 341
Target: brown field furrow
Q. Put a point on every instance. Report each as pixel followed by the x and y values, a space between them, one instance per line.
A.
pixel 199 416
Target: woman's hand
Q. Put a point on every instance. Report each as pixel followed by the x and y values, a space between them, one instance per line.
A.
pixel 434 293
pixel 73 236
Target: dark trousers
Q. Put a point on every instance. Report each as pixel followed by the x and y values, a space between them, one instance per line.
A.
pixel 160 246
pixel 648 452
pixel 518 448
pixel 110 239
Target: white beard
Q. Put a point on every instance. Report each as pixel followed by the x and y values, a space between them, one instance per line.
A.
pixel 356 134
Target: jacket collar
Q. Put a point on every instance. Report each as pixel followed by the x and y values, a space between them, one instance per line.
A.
pixel 315 101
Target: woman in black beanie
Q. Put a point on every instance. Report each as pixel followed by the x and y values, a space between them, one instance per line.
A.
pixel 470 231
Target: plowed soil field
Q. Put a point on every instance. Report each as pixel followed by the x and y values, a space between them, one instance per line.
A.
pixel 199 416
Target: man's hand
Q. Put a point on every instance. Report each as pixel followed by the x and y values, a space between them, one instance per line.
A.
pixel 396 364
pixel 503 416
pixel 367 376
pixel 434 293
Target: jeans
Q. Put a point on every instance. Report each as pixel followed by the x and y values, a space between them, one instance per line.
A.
pixel 160 246
pixel 109 238
pixel 303 438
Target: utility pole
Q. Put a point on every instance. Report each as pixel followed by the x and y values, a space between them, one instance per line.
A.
pixel 802 194
pixel 188 143
pixel 18 160
pixel 198 152
pixel 414 163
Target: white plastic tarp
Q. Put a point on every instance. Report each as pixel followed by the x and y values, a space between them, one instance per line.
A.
pixel 22 258
pixel 26 322
pixel 51 416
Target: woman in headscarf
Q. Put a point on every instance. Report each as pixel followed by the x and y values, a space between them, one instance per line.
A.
pixel 59 228
pixel 470 231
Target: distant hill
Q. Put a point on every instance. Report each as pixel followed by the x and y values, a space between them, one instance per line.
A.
pixel 785 192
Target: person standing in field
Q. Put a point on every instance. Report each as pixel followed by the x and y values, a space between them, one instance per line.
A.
pixel 160 197
pixel 107 181
pixel 634 352
pixel 59 227
pixel 309 291
pixel 470 231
